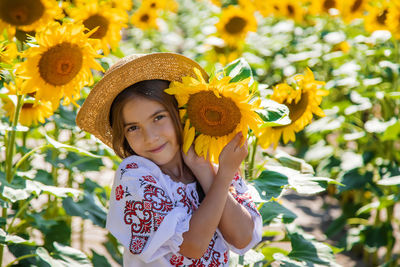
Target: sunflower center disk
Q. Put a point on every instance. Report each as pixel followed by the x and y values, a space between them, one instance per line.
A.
pixel 60 64
pixel 235 25
pixel 211 115
pixel 381 18
pixel 296 110
pixel 144 18
pixel 94 21
pixel 21 12
pixel 356 6
pixel 328 4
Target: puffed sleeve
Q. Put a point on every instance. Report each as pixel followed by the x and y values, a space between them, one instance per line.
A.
pixel 143 215
pixel 240 191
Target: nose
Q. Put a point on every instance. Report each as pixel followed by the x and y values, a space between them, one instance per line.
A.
pixel 151 135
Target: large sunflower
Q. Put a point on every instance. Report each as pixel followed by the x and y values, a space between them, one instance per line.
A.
pixel 303 99
pixel 393 18
pixel 31 112
pixel 158 5
pixel 60 65
pixel 108 19
pixel 319 7
pixel 266 8
pixel 222 54
pixel 290 9
pixel 213 112
pixel 353 9
pixel 8 52
pixel 377 15
pixel 145 18
pixel 28 15
pixel 235 23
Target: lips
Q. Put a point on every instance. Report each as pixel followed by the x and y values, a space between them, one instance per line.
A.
pixel 158 149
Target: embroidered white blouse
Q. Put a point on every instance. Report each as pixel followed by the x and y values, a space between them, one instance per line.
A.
pixel 149 212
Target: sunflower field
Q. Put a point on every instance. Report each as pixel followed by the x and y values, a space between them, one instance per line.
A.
pixel 322 77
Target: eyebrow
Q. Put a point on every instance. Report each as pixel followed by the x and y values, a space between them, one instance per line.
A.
pixel 151 116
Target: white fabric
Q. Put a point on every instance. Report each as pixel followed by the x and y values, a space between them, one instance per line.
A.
pixel 149 212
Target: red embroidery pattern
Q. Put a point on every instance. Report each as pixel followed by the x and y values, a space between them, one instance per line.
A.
pixel 176 260
pixel 245 200
pixel 237 177
pixel 145 216
pixel 185 200
pixel 160 202
pixel 132 165
pixel 149 178
pixel 226 257
pixel 119 192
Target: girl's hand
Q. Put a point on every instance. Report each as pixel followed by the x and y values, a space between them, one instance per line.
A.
pixel 232 156
pixel 201 168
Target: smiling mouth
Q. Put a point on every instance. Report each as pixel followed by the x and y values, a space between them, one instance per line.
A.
pixel 158 149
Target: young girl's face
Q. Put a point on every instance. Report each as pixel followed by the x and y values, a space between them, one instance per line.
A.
pixel 150 131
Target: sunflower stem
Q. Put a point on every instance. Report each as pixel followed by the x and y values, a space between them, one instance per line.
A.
pixel 20 211
pixel 396 59
pixel 11 139
pixel 10 147
pixel 252 158
pixel 21 258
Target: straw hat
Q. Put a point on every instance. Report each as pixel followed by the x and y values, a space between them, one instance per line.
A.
pixel 93 116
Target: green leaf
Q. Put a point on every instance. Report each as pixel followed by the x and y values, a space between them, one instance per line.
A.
pixel 288 262
pixel 273 113
pixel 238 70
pixel 62 192
pixel 114 248
pixel 65 118
pixel 87 208
pixel 268 252
pixel 270 184
pixel 69 256
pixel 271 210
pixel 99 260
pixel 355 179
pixel 249 258
pixel 58 232
pixel 378 236
pixel 303 183
pixel 293 162
pixel 18 192
pixel 310 250
pixel 78 150
pixel 394 180
pixel 7 239
pixel 45 256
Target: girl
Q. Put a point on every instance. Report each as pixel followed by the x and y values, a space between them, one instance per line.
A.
pixel 167 208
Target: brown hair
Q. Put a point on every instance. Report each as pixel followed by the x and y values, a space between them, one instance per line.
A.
pixel 150 89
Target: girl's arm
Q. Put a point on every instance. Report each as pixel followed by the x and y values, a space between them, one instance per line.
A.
pixel 207 217
pixel 238 231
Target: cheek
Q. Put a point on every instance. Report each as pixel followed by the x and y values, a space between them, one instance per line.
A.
pixel 133 143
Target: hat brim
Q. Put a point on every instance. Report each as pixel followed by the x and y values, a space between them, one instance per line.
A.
pixel 93 116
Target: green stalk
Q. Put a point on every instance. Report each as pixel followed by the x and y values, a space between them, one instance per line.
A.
pixel 21 258
pixel 11 139
pixel 20 211
pixel 27 155
pixel 252 158
pixel 396 59
pixel 389 246
pixel 10 147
